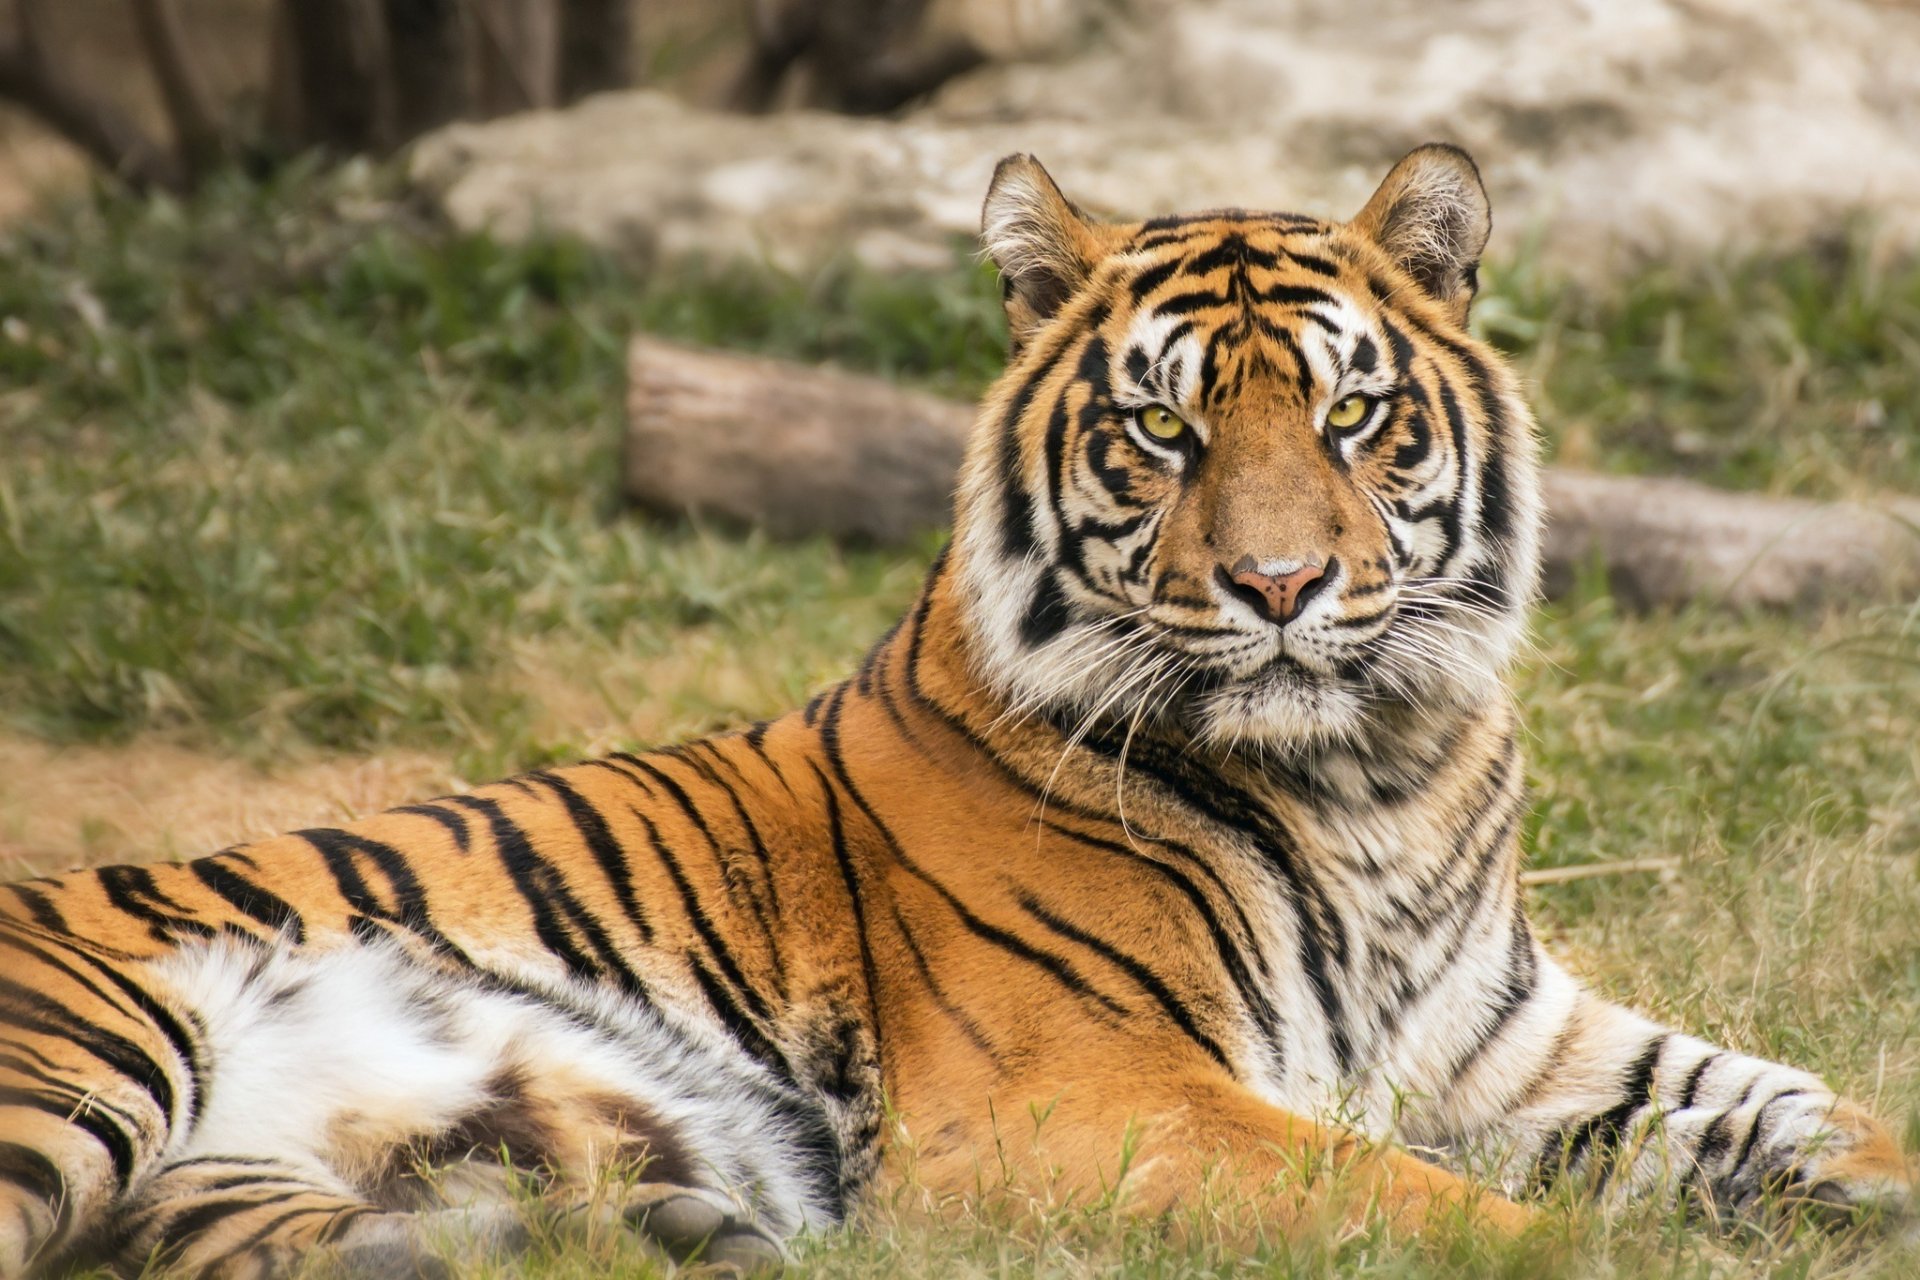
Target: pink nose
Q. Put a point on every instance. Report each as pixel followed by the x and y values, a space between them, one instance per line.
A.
pixel 1277 597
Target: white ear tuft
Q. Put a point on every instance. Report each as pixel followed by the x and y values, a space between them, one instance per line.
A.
pixel 1039 241
pixel 1431 216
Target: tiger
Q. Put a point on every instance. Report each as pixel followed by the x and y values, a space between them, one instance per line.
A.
pixel 1180 815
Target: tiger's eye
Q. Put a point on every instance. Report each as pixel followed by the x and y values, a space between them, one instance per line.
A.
pixel 1349 412
pixel 1161 424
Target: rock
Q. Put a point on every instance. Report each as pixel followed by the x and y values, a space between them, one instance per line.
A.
pixel 1625 128
pixel 802 451
pixel 643 172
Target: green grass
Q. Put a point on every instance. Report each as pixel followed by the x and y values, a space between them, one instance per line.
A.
pixel 285 465
pixel 1791 373
pixel 286 469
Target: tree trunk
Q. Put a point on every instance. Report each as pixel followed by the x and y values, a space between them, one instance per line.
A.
pixel 597 51
pixel 801 451
pixel 517 45
pixel 782 32
pixel 337 58
pixel 430 64
pixel 199 130
pixel 31 77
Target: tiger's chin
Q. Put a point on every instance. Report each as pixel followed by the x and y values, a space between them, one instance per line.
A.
pixel 1289 707
pixel 1283 707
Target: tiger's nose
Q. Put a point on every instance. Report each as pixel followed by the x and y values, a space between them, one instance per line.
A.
pixel 1277 597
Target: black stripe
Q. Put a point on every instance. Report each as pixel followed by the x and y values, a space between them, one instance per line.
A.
pixel 202 1218
pixel 455 824
pixel 1754 1127
pixel 1296 295
pixel 1714 1139
pixel 80 1112
pixel 724 853
pixel 1182 304
pixel 339 850
pixel 968 1027
pixel 1149 981
pixel 1691 1090
pixel 685 801
pixel 156 1013
pixel 1605 1130
pixel 1317 265
pixel 1152 278
pixel 24 1167
pixel 755 843
pixel 1232 250
pixel 176 1035
pixel 133 891
pixel 35 1013
pixel 1523 976
pixel 738 1022
pixel 1322 941
pixel 44 913
pixel 1060 969
pixel 1450 509
pixel 249 898
pixel 551 903
pixel 850 877
pixel 1016 509
pixel 605 847
pixel 702 922
pixel 1046 614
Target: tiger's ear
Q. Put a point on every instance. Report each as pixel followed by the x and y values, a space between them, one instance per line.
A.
pixel 1431 216
pixel 1045 248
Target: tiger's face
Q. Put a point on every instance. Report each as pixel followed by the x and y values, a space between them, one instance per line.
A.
pixel 1247 472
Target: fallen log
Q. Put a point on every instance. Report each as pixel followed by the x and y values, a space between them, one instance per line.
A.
pixel 799 451
pixel 1662 542
pixel 789 448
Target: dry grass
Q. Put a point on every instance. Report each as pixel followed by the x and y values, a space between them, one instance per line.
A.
pixel 152 799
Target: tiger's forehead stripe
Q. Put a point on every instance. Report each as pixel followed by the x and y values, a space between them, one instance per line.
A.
pixel 1280 274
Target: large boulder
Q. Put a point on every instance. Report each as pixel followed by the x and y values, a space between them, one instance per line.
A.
pixel 1638 126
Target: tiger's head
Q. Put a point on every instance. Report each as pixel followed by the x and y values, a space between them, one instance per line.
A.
pixel 1247 472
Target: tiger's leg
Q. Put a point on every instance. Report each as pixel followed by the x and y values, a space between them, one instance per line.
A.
pixel 1574 1086
pixel 248 1218
pixel 94 1074
pixel 612 1161
pixel 1186 1137
pixel 402 1063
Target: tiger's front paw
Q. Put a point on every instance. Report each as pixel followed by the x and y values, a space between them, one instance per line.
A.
pixel 1862 1177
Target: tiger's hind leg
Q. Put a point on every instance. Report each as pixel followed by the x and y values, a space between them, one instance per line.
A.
pixel 366 1066
pixel 248 1218
pixel 241 1218
pixel 607 1167
pixel 689 1224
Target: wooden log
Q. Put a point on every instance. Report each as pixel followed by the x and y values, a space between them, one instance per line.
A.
pixel 799 450
pixel 1663 542
pixel 789 448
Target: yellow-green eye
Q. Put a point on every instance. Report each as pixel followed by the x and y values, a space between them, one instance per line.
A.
pixel 1349 412
pixel 1161 424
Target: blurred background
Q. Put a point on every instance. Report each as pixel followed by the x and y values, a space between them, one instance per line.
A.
pixel 317 472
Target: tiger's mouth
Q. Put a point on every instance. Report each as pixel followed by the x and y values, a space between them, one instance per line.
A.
pixel 1228 684
pixel 1324 682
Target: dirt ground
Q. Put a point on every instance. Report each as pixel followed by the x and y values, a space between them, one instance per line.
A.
pixel 88 805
